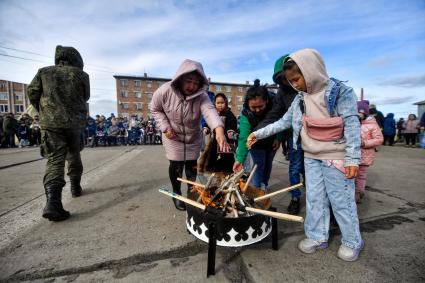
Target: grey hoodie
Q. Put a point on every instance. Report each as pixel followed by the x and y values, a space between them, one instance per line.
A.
pixel 314 71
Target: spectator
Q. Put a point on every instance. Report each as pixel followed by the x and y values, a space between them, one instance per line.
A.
pixel 379 117
pixel 400 130
pixel 10 127
pixel 371 136
pixel 389 129
pixel 35 131
pixel 212 160
pixel 113 132
pixel 411 126
pixel 23 134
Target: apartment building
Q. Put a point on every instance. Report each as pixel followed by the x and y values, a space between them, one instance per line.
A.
pixel 134 93
pixel 13 97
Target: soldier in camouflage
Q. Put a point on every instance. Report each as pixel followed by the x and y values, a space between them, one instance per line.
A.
pixel 60 93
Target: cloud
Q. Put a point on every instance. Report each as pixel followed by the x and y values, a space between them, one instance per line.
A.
pixel 410 81
pixel 102 106
pixel 381 62
pixel 395 100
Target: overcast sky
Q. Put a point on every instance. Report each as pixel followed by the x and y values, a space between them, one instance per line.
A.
pixel 377 45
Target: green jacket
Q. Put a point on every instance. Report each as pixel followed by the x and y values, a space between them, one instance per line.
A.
pixel 60 92
pixel 245 129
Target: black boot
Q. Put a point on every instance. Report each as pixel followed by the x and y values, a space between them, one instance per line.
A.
pixel 76 189
pixel 178 203
pixel 294 206
pixel 54 210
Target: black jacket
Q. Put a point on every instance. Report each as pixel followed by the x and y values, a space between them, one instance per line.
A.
pixel 282 101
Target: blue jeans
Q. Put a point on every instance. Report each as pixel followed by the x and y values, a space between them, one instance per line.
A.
pixel 264 159
pixel 328 186
pixel 296 167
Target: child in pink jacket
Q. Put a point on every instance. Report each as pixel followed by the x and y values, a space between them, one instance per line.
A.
pixel 372 137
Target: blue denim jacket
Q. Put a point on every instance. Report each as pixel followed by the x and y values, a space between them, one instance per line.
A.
pixel 340 101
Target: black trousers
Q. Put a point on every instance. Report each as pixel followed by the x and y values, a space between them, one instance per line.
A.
pixel 410 138
pixel 176 171
pixel 390 139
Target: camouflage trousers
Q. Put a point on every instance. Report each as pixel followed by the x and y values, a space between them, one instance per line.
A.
pixel 58 145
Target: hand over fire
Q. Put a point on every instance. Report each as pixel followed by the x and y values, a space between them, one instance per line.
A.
pixel 221 140
pixel 252 138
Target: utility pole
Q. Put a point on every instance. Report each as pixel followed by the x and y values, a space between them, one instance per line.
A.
pixel 361 94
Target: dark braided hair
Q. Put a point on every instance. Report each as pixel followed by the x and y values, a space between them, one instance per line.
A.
pixel 254 91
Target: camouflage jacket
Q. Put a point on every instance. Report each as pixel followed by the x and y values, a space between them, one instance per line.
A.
pixel 60 92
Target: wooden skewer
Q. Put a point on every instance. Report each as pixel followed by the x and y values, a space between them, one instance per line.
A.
pixel 278 192
pixel 183 199
pixel 191 183
pixel 277 215
pixel 249 178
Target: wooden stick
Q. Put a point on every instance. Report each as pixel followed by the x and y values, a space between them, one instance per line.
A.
pixel 183 199
pixel 191 182
pixel 278 192
pixel 249 178
pixel 277 215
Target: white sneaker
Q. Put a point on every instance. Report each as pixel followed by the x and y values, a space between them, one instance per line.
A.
pixel 309 246
pixel 349 254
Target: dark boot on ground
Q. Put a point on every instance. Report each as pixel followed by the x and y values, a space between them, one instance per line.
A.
pixel 54 210
pixel 76 189
pixel 294 206
pixel 178 203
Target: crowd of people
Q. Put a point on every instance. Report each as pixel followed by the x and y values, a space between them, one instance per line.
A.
pixel 99 131
pixel 114 131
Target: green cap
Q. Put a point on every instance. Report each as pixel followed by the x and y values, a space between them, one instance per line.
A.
pixel 278 67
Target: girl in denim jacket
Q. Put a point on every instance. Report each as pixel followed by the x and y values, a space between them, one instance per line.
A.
pixel 330 137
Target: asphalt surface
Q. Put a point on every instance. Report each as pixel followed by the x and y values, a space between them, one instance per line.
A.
pixel 123 230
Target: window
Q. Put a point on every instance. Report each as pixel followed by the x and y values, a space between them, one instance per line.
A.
pixel 124 83
pixel 240 89
pixel 139 105
pixel 19 97
pixel 149 84
pixel 137 83
pixel 228 88
pixel 3 85
pixel 229 99
pixel 149 95
pixel 240 98
pixel 4 108
pixel 240 107
pixel 19 108
pixel 124 105
pixel 137 94
pixel 4 96
pixel 124 93
pixel 123 114
pixel 218 88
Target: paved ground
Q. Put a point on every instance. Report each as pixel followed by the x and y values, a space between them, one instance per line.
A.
pixel 123 230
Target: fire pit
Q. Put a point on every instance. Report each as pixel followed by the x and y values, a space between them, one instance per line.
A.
pixel 226 211
pixel 231 231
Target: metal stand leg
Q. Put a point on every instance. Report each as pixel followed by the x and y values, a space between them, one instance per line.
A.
pixel 275 245
pixel 212 245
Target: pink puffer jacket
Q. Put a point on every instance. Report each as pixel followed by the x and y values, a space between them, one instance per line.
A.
pixel 173 110
pixel 372 137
